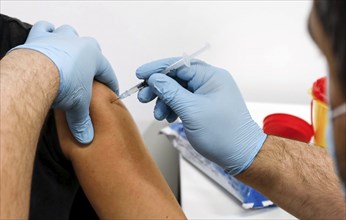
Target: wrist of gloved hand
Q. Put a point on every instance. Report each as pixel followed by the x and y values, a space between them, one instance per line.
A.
pixel 237 163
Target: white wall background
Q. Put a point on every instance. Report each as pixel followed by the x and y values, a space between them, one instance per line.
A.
pixel 264 44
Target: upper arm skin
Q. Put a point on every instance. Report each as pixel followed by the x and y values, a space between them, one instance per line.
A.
pixel 116 172
pixel 29 82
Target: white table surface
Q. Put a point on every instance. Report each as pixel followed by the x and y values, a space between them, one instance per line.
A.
pixel 202 198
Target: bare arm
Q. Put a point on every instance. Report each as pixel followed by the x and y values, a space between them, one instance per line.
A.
pixel 116 172
pixel 29 83
pixel 298 177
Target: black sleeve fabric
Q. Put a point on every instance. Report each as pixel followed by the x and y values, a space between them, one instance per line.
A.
pixel 54 183
pixel 13 33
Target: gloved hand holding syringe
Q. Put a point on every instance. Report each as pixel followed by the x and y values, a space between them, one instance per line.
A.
pixel 185 60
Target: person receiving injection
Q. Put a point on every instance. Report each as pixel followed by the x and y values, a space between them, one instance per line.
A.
pixel 296 176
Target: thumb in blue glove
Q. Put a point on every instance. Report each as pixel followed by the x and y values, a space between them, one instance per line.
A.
pixel 214 115
pixel 79 60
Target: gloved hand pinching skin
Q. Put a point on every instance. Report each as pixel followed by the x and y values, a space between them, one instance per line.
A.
pixel 79 60
pixel 215 118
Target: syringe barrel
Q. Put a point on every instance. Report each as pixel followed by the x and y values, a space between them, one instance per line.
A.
pixel 173 66
pixel 185 60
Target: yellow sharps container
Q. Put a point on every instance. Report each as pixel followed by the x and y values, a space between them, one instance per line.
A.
pixel 319 111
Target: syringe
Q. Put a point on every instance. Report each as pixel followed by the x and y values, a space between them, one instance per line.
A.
pixel 185 60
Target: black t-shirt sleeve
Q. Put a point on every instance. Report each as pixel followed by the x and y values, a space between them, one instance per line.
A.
pixel 54 184
pixel 13 33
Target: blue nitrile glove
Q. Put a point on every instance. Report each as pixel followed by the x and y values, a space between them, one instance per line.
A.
pixel 79 60
pixel 214 115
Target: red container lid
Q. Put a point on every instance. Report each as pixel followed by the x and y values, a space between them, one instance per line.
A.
pixel 287 126
pixel 319 90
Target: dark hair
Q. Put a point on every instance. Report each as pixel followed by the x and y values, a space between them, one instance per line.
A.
pixel 332 16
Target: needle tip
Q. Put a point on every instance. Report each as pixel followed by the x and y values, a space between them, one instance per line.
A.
pixel 115 100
